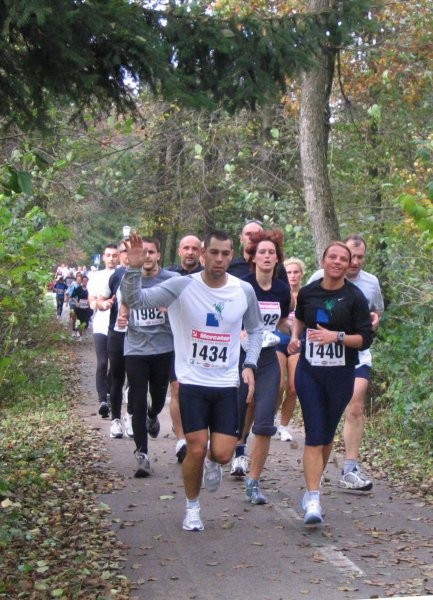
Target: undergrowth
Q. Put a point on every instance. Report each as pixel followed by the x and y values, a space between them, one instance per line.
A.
pixel 55 538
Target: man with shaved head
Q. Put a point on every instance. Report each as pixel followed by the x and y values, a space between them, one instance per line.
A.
pixel 189 253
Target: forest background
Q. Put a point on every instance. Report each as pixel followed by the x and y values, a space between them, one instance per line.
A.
pixel 318 120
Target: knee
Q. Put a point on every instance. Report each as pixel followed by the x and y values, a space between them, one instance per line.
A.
pixel 355 411
pixel 197 452
pixel 222 456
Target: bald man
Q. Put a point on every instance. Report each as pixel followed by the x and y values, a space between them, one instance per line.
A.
pixel 189 253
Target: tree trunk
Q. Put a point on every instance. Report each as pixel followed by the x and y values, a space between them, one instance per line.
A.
pixel 316 85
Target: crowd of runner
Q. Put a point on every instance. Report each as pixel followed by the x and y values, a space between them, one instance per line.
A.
pixel 238 340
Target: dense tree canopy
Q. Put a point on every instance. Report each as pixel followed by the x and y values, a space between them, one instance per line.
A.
pixel 106 50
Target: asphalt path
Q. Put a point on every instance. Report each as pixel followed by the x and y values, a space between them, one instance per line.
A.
pixel 372 545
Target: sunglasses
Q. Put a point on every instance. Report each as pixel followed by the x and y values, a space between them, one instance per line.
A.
pixel 248 221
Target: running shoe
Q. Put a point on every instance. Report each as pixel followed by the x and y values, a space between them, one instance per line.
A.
pixel 180 450
pixel 143 465
pixel 355 480
pixel 284 433
pixel 104 410
pixel 153 426
pixel 254 494
pixel 313 510
pixel 212 475
pixel 116 430
pixel 192 520
pixel 127 425
pixel 239 466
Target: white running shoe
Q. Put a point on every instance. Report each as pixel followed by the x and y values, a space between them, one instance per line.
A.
pixel 192 520
pixel 239 466
pixel 313 510
pixel 284 433
pixel 116 430
pixel 254 494
pixel 355 480
pixel 212 475
pixel 127 425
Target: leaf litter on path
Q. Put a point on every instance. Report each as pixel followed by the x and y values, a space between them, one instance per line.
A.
pixel 55 534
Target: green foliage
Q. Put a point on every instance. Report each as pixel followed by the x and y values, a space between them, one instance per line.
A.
pixel 420 211
pixel 95 54
pixel 404 348
pixel 25 243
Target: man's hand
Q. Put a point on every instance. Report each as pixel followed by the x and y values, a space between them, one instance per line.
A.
pixel 375 319
pixel 249 379
pixel 106 303
pixel 122 320
pixel 136 256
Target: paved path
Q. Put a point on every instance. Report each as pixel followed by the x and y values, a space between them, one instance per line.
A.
pixel 376 544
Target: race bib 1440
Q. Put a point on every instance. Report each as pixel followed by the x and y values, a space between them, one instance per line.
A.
pixel 325 355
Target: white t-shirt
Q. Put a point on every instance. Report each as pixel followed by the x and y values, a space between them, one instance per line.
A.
pixel 98 283
pixel 206 324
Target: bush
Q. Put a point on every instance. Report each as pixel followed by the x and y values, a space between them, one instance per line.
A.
pixel 26 241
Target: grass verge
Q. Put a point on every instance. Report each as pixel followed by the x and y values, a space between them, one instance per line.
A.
pixel 55 536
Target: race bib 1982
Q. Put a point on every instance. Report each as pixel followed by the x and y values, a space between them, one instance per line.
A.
pixel 146 317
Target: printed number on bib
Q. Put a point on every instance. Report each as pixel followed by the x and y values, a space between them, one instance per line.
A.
pixel 271 314
pixel 146 317
pixel 325 355
pixel 209 350
pixel 83 303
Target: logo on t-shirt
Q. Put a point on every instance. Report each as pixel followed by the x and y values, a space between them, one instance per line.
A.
pixel 213 318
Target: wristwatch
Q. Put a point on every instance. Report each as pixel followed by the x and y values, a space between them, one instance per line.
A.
pixel 340 336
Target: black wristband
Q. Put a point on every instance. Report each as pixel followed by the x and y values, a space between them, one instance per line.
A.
pixel 249 366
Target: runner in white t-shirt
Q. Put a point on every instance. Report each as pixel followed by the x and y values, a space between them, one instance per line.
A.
pixel 206 311
pixel 98 282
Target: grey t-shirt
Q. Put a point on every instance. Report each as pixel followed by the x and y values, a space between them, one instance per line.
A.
pixel 149 330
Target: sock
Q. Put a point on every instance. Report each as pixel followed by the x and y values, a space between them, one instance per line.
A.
pixel 240 450
pixel 192 503
pixel 312 495
pixel 350 464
